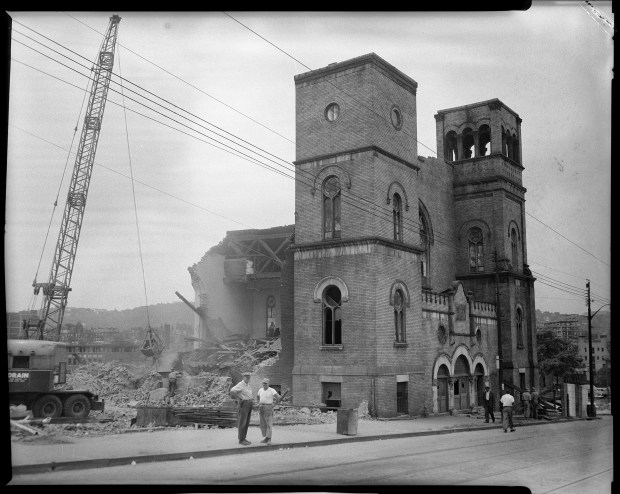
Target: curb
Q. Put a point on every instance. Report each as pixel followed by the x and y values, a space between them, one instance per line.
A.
pixel 127 460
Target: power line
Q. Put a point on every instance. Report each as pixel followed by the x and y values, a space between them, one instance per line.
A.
pixel 382 211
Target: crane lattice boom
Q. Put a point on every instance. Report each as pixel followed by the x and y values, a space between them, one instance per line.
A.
pixel 56 290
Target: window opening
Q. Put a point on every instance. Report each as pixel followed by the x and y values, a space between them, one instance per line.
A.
pixel 331 208
pixel 424 239
pixel 331 394
pixel 476 250
pixel 451 146
pixel 271 318
pixel 21 362
pixel 397 216
pixel 332 316
pixel 515 248
pixel 484 140
pixel 332 112
pixel 468 144
pixel 399 316
pixel 519 317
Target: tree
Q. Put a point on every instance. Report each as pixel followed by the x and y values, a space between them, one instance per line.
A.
pixel 556 356
pixel 601 378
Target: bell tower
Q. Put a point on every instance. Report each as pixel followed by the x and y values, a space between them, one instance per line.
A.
pixel 482 141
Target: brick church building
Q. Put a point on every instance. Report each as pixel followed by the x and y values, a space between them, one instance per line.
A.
pixel 404 281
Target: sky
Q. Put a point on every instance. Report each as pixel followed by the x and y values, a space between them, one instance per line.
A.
pixel 201 74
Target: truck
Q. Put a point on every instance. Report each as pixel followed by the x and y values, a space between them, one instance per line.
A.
pixel 37 368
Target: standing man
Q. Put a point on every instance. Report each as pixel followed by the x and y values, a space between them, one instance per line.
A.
pixel 507 401
pixel 535 400
pixel 265 398
pixel 526 397
pixel 242 393
pixel 172 381
pixel 489 403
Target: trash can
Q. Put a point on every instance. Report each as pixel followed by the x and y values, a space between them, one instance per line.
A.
pixel 346 421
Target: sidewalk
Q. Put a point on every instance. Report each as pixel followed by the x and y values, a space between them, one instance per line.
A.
pixel 166 444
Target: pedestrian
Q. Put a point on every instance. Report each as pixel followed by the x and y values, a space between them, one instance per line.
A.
pixel 535 401
pixel 526 397
pixel 172 381
pixel 242 394
pixel 489 403
pixel 265 398
pixel 507 401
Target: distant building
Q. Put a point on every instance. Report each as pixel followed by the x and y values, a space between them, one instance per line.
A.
pixel 601 352
pixel 568 329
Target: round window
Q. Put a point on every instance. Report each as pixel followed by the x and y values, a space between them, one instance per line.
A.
pixel 332 112
pixel 396 117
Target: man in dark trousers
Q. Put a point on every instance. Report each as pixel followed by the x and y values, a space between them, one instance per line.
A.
pixel 242 393
pixel 489 403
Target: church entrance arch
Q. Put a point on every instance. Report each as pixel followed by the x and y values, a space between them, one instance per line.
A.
pixel 442 388
pixel 461 383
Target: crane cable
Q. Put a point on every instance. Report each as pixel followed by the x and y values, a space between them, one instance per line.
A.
pixel 133 190
pixel 62 178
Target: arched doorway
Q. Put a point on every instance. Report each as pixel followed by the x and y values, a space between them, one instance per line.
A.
pixel 479 384
pixel 442 388
pixel 461 383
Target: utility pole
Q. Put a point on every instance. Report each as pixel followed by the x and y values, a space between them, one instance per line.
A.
pixel 591 356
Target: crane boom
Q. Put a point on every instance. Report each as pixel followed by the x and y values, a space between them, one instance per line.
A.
pixel 56 290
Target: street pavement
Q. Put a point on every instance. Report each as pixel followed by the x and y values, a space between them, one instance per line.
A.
pixel 167 444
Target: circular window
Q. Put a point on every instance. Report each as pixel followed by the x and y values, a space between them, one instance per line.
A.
pixel 396 117
pixel 441 334
pixel 332 112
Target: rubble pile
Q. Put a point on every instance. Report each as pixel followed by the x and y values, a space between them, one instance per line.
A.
pixel 283 414
pixel 239 355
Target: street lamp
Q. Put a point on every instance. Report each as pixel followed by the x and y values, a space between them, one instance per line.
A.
pixel 590 358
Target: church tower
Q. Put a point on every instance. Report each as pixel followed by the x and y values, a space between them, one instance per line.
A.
pixel 483 143
pixel 357 242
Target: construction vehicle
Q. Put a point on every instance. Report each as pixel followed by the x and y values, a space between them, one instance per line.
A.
pixel 56 289
pixel 35 368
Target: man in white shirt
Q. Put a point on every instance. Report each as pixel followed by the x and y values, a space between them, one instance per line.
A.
pixel 507 402
pixel 242 393
pixel 265 398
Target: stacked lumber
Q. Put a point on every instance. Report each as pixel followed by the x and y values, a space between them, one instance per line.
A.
pixel 222 417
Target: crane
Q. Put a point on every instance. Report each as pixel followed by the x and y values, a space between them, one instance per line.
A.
pixel 57 288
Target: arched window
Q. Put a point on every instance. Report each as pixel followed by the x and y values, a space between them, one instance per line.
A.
pixel 332 316
pixel 468 143
pixel 508 150
pixel 515 249
pixel 519 321
pixel 271 317
pixel 399 316
pixel 331 207
pixel 476 250
pixel 397 214
pixel 515 148
pixel 484 140
pixel 452 153
pixel 426 255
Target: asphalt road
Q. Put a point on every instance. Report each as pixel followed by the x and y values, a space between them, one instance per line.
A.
pixel 571 457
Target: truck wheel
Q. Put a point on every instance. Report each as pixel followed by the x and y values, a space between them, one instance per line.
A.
pixel 77 406
pixel 47 406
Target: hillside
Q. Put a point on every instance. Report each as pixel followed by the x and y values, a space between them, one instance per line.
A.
pixel 158 315
pixel 601 323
